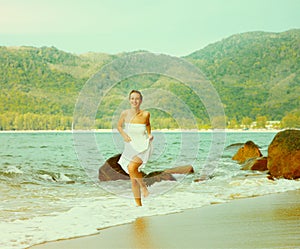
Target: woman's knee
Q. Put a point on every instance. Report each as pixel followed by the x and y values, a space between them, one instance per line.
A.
pixel 133 168
pixel 137 160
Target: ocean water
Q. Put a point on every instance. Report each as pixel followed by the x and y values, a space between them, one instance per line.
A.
pixel 49 191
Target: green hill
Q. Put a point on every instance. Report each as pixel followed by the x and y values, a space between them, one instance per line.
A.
pixel 39 86
pixel 256 74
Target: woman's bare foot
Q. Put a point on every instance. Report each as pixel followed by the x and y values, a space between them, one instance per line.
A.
pixel 145 191
pixel 138 202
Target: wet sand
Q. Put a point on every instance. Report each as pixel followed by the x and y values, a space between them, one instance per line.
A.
pixel 271 221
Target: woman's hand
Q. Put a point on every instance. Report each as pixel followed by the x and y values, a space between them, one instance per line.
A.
pixel 126 138
pixel 150 137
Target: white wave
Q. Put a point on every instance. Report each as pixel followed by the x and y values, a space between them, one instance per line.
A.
pixel 47 177
pixel 64 179
pixel 12 170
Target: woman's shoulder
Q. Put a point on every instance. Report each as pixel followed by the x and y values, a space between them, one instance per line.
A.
pixel 125 112
pixel 146 113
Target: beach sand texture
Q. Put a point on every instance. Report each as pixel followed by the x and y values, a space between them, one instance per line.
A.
pixel 271 221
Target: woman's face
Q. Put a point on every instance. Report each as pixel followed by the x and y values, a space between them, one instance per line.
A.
pixel 135 100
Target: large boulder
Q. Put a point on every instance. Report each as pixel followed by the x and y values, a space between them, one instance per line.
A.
pixel 111 171
pixel 247 151
pixel 284 155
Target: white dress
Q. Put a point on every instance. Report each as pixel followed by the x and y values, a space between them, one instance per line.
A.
pixel 139 146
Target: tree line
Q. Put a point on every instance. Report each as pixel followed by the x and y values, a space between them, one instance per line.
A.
pixel 31 122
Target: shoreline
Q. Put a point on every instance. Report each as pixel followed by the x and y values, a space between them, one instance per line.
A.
pixel 160 130
pixel 268 221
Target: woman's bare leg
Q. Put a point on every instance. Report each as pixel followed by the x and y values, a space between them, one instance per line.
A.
pixel 137 182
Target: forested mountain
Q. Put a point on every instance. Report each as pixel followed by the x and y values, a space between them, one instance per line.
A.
pixel 39 86
pixel 256 74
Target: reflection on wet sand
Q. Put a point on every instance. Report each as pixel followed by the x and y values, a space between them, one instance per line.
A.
pixel 141 237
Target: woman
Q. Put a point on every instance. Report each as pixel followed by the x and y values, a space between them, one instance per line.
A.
pixel 137 137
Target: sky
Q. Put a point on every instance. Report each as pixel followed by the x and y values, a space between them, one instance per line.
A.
pixel 173 27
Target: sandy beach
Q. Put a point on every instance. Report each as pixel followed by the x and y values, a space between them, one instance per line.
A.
pixel 270 221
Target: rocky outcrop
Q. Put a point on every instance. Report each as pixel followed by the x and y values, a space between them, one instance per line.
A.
pixel 157 176
pixel 247 151
pixel 111 171
pixel 187 169
pixel 259 164
pixel 284 155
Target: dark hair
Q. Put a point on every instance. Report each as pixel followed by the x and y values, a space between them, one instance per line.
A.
pixel 136 91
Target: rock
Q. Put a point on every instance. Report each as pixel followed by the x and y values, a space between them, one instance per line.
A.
pixel 158 176
pixel 284 155
pixel 203 178
pixel 236 145
pixel 111 171
pixel 259 163
pixel 249 150
pixel 187 169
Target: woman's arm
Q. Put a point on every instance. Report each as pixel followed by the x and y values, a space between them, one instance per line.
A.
pixel 120 127
pixel 148 126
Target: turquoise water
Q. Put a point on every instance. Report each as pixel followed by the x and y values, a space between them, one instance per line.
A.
pixel 50 191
